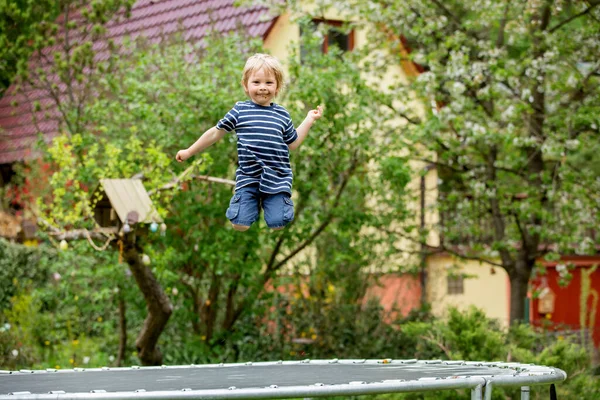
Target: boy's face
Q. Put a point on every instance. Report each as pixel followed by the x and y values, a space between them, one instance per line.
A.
pixel 261 86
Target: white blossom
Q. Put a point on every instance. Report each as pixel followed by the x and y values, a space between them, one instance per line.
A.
pixel 458 88
pixel 572 144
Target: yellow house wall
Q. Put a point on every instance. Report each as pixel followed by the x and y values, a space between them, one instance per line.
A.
pixel 487 288
pixel 281 37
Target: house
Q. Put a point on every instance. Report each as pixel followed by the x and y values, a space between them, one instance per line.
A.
pixel 150 19
pixel 30 113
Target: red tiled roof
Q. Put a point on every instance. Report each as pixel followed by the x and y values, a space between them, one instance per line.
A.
pixel 149 18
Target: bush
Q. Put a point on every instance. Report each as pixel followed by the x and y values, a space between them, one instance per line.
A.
pixel 20 266
pixel 469 335
pixel 62 309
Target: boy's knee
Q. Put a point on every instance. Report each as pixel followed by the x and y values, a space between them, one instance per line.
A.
pixel 279 211
pixel 279 228
pixel 240 228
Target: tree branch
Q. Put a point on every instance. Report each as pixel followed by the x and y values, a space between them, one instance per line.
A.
pixel 267 275
pixel 67 50
pixel 177 180
pixel 466 168
pixel 579 94
pixel 456 21
pixel 517 96
pixel 436 249
pixel 42 82
pixel 497 217
pixel 76 234
pixel 500 38
pixel 403 115
pixel 327 220
pixel 524 235
pixel 573 17
pixel 275 251
pixel 447 12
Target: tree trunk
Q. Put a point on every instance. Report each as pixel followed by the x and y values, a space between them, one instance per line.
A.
pixel 519 281
pixel 209 309
pixel 122 329
pixel 230 305
pixel 158 304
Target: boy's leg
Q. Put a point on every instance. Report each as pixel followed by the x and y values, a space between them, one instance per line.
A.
pixel 243 208
pixel 279 210
pixel 240 228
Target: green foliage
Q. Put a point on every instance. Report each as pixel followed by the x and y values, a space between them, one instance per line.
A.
pixel 307 316
pixel 395 172
pixel 19 268
pixel 159 98
pixel 28 26
pixel 469 335
pixel 34 336
pixel 512 133
pixel 68 319
pixel 465 336
pixel 19 24
pixel 18 344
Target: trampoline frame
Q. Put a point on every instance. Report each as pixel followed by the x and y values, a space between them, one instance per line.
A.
pixel 524 376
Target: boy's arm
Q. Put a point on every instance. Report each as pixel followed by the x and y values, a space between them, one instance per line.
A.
pixel 207 139
pixel 304 127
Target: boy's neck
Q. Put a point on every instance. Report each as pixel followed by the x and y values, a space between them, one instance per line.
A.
pixel 260 105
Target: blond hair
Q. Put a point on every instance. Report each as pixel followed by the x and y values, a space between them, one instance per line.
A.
pixel 260 60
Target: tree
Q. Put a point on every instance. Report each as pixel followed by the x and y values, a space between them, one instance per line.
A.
pixel 21 22
pixel 159 98
pixel 71 58
pixel 68 75
pixel 514 122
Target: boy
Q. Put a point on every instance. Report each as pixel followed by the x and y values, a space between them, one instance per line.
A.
pixel 265 134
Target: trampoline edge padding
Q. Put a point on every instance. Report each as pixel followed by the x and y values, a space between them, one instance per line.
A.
pixel 280 379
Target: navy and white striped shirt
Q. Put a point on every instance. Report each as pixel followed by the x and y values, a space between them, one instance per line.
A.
pixel 263 135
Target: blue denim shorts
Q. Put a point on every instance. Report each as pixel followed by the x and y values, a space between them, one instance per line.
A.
pixel 246 202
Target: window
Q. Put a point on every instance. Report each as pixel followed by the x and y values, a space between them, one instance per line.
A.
pixel 6 174
pixel 335 35
pixel 456 284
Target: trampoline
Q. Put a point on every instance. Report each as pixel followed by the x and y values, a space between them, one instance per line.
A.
pixel 274 380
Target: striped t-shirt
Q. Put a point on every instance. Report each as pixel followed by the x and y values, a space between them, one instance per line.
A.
pixel 263 135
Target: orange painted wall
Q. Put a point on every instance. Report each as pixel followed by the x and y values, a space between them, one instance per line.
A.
pixel 398 294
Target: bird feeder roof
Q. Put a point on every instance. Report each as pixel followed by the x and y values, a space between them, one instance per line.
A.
pixel 129 195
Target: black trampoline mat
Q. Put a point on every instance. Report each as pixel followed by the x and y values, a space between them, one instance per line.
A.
pixel 240 376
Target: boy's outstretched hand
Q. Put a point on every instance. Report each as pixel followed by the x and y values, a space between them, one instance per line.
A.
pixel 316 114
pixel 182 155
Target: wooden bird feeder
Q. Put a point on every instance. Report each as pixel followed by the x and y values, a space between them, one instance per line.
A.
pixel 121 201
